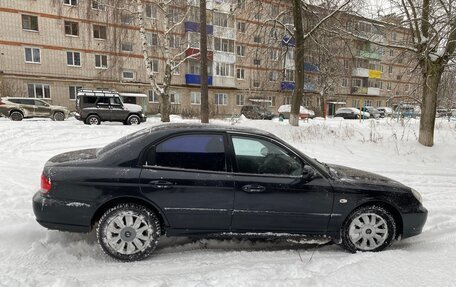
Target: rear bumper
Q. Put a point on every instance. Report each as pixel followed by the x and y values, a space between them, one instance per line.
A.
pixel 78 116
pixel 413 222
pixel 62 215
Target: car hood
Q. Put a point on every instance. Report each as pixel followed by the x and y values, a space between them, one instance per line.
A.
pixel 356 176
pixel 133 107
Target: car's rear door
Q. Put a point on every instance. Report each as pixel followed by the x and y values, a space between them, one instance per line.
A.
pixel 28 106
pixel 272 195
pixel 186 176
pixel 42 109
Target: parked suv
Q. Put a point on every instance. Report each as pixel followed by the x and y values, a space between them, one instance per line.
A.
pixel 96 106
pixel 256 113
pixel 19 108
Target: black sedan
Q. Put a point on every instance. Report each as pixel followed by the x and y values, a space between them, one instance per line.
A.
pixel 205 180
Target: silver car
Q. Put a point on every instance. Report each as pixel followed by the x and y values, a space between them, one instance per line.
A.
pixel 20 108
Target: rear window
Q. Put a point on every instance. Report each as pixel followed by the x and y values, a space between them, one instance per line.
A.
pixel 89 100
pixel 202 152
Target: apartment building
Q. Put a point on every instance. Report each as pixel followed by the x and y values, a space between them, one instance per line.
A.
pixel 51 48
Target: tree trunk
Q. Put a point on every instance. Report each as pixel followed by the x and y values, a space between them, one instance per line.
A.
pixel 165 107
pixel 431 81
pixel 299 64
pixel 203 71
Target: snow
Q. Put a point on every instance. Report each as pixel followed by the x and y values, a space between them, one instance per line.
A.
pixel 34 256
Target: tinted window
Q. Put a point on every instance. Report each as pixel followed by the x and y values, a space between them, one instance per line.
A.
pixel 103 100
pixel 28 102
pixel 262 157
pixel 40 104
pixel 89 100
pixel 115 101
pixel 205 152
pixel 16 101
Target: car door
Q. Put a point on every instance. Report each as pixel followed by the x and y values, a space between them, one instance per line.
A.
pixel 186 175
pixel 276 191
pixel 28 106
pixel 118 112
pixel 42 109
pixel 104 108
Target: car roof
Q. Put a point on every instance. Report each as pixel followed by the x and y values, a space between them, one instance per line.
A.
pixel 198 127
pixel 20 98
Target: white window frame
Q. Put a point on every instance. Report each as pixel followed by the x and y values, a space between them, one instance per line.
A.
pixel 75 88
pixel 69 3
pixel 240 73
pixel 174 98
pixel 195 98
pixel 273 76
pixel 126 43
pixel 101 61
pixel 71 22
pixel 128 71
pixel 154 97
pixel 98 5
pixel 224 98
pixel 240 50
pixel 35 85
pixel 93 31
pixel 240 100
pixel 72 57
pixel 224 70
pixel 150 37
pixel 155 66
pixel 153 11
pixel 32 53
pixel 30 17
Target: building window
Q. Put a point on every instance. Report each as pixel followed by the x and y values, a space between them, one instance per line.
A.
pixel 127 18
pixel 390 69
pixel 221 19
pixel 274 55
pixel 391 52
pixel 240 50
pixel 241 27
pixel 221 99
pixel 174 98
pixel 32 55
pixel 175 68
pixel 174 41
pixel 257 39
pixel 71 28
pixel 99 32
pixel 152 39
pixel 355 103
pixel 289 75
pixel 346 64
pixel 379 103
pixel 98 5
pixel 195 98
pixel 273 76
pixel 193 67
pixel 29 23
pixel 101 61
pixel 240 100
pixel 154 63
pixel 73 91
pixel 128 75
pixel 287 100
pixel 39 91
pixel 153 97
pixel 151 11
pixel 224 45
pixel 70 2
pixel 257 62
pixel 74 59
pixel 394 36
pixel 127 47
pixel 272 101
pixel 240 74
pixel 344 82
pixel 388 86
pixel 224 69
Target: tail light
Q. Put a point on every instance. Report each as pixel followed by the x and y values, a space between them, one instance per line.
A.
pixel 45 184
pixel 1 103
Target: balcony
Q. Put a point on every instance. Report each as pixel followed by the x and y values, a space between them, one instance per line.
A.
pixel 195 51
pixel 375 74
pixel 309 67
pixel 195 27
pixel 369 55
pixel 220 81
pixel 287 86
pixel 373 91
pixel 310 87
pixel 359 90
pixel 224 32
pixel 360 72
pixel 192 79
pixel 288 41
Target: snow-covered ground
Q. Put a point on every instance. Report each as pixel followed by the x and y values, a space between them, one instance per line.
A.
pixel 33 256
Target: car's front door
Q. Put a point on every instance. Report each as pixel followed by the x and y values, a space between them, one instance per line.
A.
pixel 42 109
pixel 276 191
pixel 186 175
pixel 118 112
pixel 104 108
pixel 28 106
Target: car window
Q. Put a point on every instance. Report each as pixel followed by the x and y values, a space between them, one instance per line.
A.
pixel 258 156
pixel 28 102
pixel 103 100
pixel 16 101
pixel 203 152
pixel 40 103
pixel 89 100
pixel 115 101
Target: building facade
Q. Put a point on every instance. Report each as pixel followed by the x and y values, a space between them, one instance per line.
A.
pixel 51 48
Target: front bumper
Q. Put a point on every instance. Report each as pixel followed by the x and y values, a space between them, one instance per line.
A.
pixel 413 223
pixel 143 118
pixel 62 215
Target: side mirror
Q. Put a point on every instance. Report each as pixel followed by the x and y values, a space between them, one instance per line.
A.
pixel 308 173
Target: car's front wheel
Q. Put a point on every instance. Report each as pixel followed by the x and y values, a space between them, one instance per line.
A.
pixel 93 120
pixel 128 232
pixel 133 120
pixel 369 228
pixel 16 116
pixel 58 116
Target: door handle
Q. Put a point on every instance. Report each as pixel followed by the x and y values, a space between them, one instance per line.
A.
pixel 253 188
pixel 160 184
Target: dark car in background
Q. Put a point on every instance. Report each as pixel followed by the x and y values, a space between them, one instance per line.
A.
pixel 351 113
pixel 256 112
pixel 205 180
pixel 96 106
pixel 373 112
pixel 22 108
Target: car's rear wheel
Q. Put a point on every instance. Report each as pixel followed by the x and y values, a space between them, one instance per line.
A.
pixel 93 120
pixel 16 116
pixel 128 232
pixel 58 116
pixel 369 228
pixel 133 120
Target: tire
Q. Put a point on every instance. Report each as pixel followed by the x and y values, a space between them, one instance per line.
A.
pixel 369 228
pixel 133 120
pixel 357 117
pixel 58 116
pixel 93 120
pixel 117 232
pixel 16 116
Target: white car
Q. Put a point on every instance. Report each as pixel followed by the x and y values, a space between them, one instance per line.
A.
pixel 304 113
pixel 385 111
pixel 351 113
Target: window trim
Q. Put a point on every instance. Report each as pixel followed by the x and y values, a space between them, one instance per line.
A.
pixel 101 61
pixel 64 28
pixel 71 5
pixel 80 59
pixel 25 55
pixel 37 23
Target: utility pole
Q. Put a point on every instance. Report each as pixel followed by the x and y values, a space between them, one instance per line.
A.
pixel 203 70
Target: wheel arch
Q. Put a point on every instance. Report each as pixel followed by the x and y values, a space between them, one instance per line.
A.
pixel 386 205
pixel 129 199
pixel 16 110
